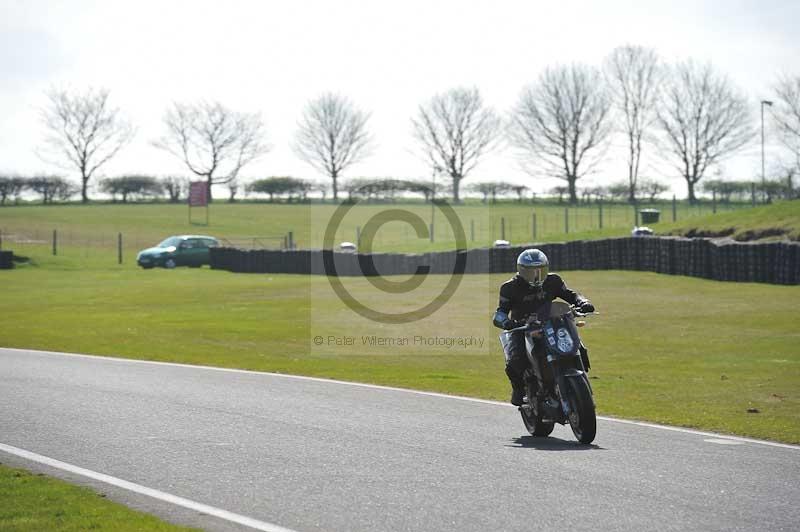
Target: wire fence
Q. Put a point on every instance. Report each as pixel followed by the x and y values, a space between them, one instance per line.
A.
pixel 481 224
pixel 484 224
pixel 110 247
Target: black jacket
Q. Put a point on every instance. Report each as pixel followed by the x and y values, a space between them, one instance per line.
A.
pixel 518 299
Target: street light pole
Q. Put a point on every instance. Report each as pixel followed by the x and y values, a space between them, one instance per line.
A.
pixel 763 170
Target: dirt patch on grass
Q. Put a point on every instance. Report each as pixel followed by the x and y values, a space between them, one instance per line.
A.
pixel 758 234
pixel 708 233
pixel 750 235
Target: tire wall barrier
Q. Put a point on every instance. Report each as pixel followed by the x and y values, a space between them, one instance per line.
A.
pixel 720 260
pixel 6 260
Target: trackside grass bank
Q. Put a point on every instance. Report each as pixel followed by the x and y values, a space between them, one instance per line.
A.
pixel 683 351
pixel 33 502
pixel 89 232
pixel 781 220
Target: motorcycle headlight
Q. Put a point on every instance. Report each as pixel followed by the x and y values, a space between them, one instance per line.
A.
pixel 565 343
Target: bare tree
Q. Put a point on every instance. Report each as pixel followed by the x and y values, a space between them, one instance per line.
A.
pixel 174 186
pixel 131 185
pixel 561 123
pixel 455 130
pixel 332 135
pixel 491 188
pixel 618 191
pixel 560 190
pixel 520 190
pixel 213 141
pixel 51 187
pixel 704 119
pixel 11 186
pixel 633 74
pixel 651 188
pixel 233 189
pixel 786 114
pixel 83 132
pixel 322 188
pixel 595 193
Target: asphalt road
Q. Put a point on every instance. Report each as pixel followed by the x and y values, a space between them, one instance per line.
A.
pixel 308 455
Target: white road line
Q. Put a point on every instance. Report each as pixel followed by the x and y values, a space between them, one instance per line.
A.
pixel 740 439
pixel 144 490
pixel 722 441
pixel 404 390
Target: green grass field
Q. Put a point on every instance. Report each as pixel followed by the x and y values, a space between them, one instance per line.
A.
pixel 682 351
pixel 34 502
pixel 781 220
pixel 88 233
pixel 674 350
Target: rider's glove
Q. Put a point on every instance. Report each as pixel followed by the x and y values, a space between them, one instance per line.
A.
pixel 510 324
pixel 586 306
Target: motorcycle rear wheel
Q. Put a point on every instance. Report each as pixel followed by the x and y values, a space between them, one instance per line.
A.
pixel 534 423
pixel 582 419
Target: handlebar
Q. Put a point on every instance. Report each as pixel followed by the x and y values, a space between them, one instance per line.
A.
pixel 526 327
pixel 537 325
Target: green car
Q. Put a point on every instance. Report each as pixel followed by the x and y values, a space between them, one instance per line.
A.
pixel 184 250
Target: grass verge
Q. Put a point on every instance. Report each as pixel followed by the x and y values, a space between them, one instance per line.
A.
pixel 781 220
pixel 668 349
pixel 92 229
pixel 35 502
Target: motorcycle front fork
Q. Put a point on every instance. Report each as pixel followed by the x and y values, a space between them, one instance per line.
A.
pixel 559 384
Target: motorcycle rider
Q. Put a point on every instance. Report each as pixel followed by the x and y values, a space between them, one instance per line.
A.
pixel 521 297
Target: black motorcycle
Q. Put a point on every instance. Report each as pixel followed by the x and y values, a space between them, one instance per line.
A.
pixel 568 397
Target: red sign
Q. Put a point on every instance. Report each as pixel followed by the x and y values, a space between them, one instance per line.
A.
pixel 198 194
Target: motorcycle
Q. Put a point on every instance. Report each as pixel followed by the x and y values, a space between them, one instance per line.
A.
pixel 569 399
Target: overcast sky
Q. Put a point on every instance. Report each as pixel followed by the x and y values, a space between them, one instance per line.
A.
pixel 388 57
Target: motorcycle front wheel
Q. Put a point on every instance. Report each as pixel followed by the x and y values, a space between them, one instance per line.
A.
pixel 582 418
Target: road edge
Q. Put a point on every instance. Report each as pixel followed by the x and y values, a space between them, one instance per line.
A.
pixel 685 430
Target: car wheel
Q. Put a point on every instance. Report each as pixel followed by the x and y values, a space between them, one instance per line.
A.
pixel 169 263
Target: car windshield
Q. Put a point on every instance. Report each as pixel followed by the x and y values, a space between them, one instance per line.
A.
pixel 171 241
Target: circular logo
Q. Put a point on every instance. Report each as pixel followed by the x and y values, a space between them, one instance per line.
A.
pixel 367 266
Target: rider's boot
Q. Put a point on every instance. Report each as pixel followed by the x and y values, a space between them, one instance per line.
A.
pixel 517 394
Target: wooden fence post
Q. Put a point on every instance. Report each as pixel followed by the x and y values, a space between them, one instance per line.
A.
pixel 600 212
pixel 674 208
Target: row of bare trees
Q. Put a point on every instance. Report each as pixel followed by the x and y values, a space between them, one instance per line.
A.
pixel 51 188
pixel 562 125
pixel 54 188
pixel 137 187
pixel 692 114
